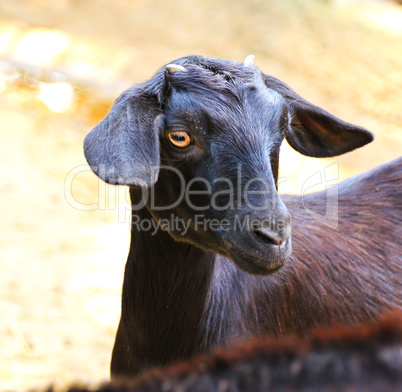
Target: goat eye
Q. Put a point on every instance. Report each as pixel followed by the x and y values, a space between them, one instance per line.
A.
pixel 180 139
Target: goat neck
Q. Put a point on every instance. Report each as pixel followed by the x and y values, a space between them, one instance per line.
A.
pixel 164 292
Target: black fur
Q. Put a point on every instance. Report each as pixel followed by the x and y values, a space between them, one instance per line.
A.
pixel 182 293
pixel 362 358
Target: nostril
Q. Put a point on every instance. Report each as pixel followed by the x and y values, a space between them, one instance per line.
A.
pixel 270 236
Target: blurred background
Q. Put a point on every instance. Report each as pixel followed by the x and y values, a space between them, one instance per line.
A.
pixel 62 63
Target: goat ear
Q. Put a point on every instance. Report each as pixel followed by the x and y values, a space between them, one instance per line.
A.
pixel 123 148
pixel 315 132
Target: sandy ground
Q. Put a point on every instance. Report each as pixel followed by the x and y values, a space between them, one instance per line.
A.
pixel 61 257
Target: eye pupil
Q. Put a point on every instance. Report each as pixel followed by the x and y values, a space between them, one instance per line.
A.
pixel 179 139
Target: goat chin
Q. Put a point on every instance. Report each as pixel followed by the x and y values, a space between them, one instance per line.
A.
pixel 262 262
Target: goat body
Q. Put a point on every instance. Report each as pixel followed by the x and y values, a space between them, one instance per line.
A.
pixel 359 358
pixel 179 301
pixel 199 123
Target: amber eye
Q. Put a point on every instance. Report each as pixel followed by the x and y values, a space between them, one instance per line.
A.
pixel 180 139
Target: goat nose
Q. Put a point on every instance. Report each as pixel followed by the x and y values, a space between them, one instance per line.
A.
pixel 273 237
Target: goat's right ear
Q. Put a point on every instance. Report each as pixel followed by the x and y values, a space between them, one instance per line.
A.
pixel 313 131
pixel 123 149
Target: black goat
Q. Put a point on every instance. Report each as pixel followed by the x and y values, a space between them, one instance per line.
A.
pixel 214 128
pixel 360 358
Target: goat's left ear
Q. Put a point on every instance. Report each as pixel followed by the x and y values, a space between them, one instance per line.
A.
pixel 123 149
pixel 315 132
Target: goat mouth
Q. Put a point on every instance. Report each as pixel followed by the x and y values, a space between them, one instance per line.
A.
pixel 257 262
